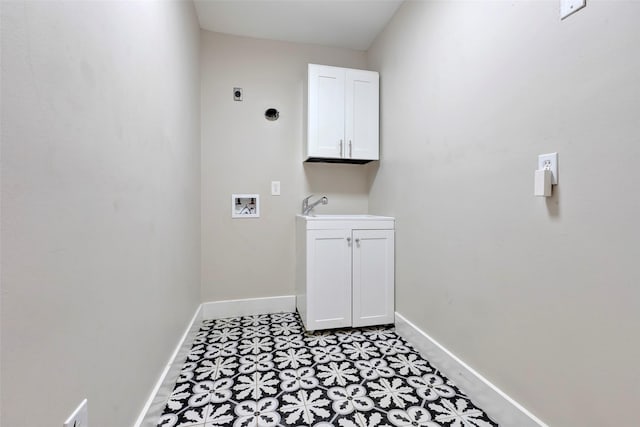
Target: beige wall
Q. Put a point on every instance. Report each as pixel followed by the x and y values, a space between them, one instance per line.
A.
pixel 242 152
pixel 540 296
pixel 100 204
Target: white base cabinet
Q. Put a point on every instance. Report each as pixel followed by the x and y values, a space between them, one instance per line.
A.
pixel 345 271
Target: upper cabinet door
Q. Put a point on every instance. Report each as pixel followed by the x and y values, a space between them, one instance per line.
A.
pixel 362 115
pixel 325 127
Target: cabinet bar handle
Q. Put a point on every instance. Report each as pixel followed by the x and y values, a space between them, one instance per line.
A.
pixel 340 148
pixel 350 153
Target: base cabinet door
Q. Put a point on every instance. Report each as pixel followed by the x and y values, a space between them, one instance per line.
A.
pixel 373 277
pixel 328 279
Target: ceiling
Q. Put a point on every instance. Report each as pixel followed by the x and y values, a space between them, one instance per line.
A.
pixel 352 24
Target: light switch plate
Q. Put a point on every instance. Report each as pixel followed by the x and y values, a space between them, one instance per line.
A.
pixel 569 7
pixel 552 160
pixel 275 188
pixel 79 417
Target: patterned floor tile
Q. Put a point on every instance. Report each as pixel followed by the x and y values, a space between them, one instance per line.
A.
pixel 266 371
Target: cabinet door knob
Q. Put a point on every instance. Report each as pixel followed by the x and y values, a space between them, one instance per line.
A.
pixel 358 242
pixel 349 240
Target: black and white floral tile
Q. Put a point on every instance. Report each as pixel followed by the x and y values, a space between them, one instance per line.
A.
pixel 266 371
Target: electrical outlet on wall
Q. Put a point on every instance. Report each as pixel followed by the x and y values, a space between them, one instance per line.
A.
pixel 549 161
pixel 79 417
pixel 237 94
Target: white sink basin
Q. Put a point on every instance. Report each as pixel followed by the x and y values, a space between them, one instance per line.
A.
pixel 342 222
pixel 335 217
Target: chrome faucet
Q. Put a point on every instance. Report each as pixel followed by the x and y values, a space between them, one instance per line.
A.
pixel 306 207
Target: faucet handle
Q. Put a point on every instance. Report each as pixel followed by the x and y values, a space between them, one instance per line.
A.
pixel 305 204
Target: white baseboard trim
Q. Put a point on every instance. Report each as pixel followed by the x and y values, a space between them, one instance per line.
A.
pixel 497 404
pixel 247 307
pixel 157 399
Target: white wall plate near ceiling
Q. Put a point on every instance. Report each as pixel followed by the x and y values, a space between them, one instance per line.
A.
pixel 79 417
pixel 569 7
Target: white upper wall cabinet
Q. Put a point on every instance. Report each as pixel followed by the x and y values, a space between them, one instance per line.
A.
pixel 343 115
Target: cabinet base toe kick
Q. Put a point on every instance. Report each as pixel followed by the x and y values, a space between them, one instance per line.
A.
pixel 348 329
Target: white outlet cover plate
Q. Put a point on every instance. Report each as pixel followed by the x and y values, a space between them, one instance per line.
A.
pixel 569 7
pixel 79 417
pixel 553 159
